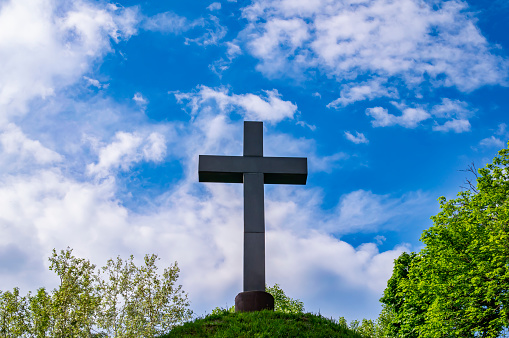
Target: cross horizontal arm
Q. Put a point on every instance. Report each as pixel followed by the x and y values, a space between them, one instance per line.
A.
pixel 230 169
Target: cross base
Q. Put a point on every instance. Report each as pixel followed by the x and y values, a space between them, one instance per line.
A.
pixel 249 301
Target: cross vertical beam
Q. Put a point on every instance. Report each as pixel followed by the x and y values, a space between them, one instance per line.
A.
pixel 254 213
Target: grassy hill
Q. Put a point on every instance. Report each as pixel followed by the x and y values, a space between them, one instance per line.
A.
pixel 262 324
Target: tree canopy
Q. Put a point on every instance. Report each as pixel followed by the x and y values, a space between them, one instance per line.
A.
pixel 458 284
pixel 119 300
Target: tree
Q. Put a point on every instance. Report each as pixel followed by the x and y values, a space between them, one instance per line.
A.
pixel 13 314
pixel 458 284
pixel 75 303
pixel 130 302
pixel 136 301
pixel 366 328
pixel 282 302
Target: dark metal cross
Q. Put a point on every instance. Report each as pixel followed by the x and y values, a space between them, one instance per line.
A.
pixel 254 171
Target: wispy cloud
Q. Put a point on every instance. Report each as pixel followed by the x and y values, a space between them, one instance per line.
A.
pixel 357 139
pixel 169 22
pixel 364 91
pixel 214 6
pixel 492 142
pixel 140 100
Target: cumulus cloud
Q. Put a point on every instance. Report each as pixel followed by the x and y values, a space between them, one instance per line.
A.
pixel 127 149
pixel 410 117
pixel 358 138
pixel 458 126
pixel 269 108
pixel 50 49
pixel 409 39
pixel 451 109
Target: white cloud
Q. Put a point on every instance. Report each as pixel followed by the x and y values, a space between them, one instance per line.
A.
pixel 19 148
pixel 140 100
pixel 358 138
pixel 169 22
pixel 94 82
pixel 214 6
pixel 214 32
pixel 269 108
pixel 48 211
pixel 290 33
pixel 127 149
pixel 410 117
pixel 365 91
pixel 49 49
pixel 492 141
pixel 406 38
pixel 451 108
pixel 233 50
pixel 457 112
pixel 502 129
pixel 458 126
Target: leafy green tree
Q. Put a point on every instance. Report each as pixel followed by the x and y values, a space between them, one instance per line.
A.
pixel 282 302
pixel 458 284
pixel 367 328
pixel 74 305
pixel 136 301
pixel 13 314
pixel 40 313
pixel 131 302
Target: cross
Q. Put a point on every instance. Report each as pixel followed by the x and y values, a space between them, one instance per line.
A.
pixel 254 170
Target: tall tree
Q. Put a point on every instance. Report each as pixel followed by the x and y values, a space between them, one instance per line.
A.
pixel 458 284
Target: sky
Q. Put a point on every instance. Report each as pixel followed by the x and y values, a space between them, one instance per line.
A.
pixel 105 107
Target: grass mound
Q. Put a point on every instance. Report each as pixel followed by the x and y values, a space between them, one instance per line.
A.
pixel 262 324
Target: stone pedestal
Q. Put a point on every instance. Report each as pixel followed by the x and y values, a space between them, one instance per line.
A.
pixel 248 301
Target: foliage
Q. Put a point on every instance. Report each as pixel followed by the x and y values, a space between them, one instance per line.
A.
pixel 136 302
pixel 13 313
pixel 366 328
pixel 262 324
pixel 74 304
pixel 282 303
pixel 130 301
pixel 457 285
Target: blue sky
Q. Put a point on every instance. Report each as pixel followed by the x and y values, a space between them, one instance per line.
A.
pixel 105 107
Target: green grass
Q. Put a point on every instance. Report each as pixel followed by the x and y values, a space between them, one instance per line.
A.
pixel 261 324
